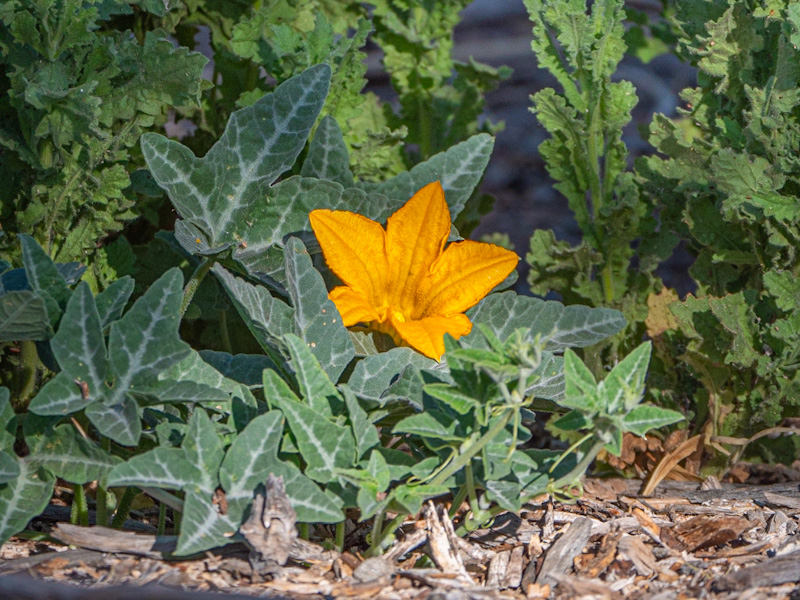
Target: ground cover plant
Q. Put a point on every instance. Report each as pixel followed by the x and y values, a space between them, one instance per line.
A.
pixel 292 293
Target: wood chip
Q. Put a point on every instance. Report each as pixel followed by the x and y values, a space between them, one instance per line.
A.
pixel 559 558
pixel 705 531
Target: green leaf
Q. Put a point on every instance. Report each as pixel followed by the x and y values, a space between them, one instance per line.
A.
pixel 327 154
pixel 68 455
pixel 433 425
pixel 242 368
pixel 251 457
pixel 315 386
pixel 642 419
pixel 459 169
pixel 560 326
pixel 202 447
pixel 206 367
pixel 9 467
pixel 374 374
pixel 324 445
pixel 219 193
pixel 161 467
pixel 316 319
pixel 8 421
pixel 623 387
pixel 145 341
pixel 44 278
pixel 112 300
pixel 24 498
pixel 202 525
pixel 166 391
pixel 78 345
pixel 59 396
pixel 548 379
pixel 311 504
pixel 784 287
pixel 120 422
pixel 23 316
pixel 452 397
pixel 364 432
pixel 507 494
pixel 581 387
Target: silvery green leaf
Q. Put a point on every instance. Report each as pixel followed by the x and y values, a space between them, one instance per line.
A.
pixel 251 457
pixel 8 420
pixel 267 318
pixel 459 169
pixel 315 386
pixel 195 368
pixel 202 525
pixel 78 345
pixel 317 321
pixel 24 498
pixel 112 300
pixel 120 422
pixel 642 419
pixel 202 447
pixel 324 445
pixel 165 391
pixel 311 504
pixel 23 316
pixel 364 432
pixel 327 156
pixel 161 467
pixel 507 494
pixel 373 374
pixel 550 382
pixel 560 326
pixel 145 341
pixel 623 387
pixel 60 396
pixel 219 193
pixel 9 467
pixel 44 278
pixel 64 452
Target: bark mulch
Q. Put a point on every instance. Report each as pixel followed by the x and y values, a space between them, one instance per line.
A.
pixel 686 540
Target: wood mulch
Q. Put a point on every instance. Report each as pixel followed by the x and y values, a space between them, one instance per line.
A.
pixel 686 540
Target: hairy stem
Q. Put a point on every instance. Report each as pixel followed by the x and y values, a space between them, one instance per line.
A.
pixel 194 282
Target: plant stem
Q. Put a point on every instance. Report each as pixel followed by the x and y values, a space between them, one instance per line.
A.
pixel 162 519
pixel 339 540
pixel 101 510
pixel 194 282
pixel 29 362
pixel 580 468
pixel 462 459
pixel 80 509
pixel 124 507
pixel 164 497
pixel 378 539
pixel 302 528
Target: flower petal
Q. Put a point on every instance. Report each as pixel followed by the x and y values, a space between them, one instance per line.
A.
pixel 464 274
pixel 354 306
pixel 427 335
pixel 355 250
pixel 415 237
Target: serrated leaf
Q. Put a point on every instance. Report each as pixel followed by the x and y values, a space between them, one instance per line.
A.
pixel 219 192
pixel 202 525
pixel 560 326
pixel 642 419
pixel 24 498
pixel 459 169
pixel 59 396
pixel 316 319
pixel 44 278
pixel 120 422
pixel 324 445
pixel 784 288
pixel 78 345
pixel 23 316
pixel 160 467
pixel 327 156
pixel 623 387
pixel 112 300
pixel 202 447
pixel 145 341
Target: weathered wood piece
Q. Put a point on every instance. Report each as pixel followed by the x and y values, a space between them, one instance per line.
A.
pixel 560 556
pixel 270 530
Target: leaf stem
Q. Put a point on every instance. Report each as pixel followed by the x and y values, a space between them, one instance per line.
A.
pixel 101 509
pixel 339 539
pixel 194 282
pixel 124 507
pixel 162 518
pixel 79 515
pixel 379 538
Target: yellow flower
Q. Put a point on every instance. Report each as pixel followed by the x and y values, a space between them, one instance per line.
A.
pixel 402 280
